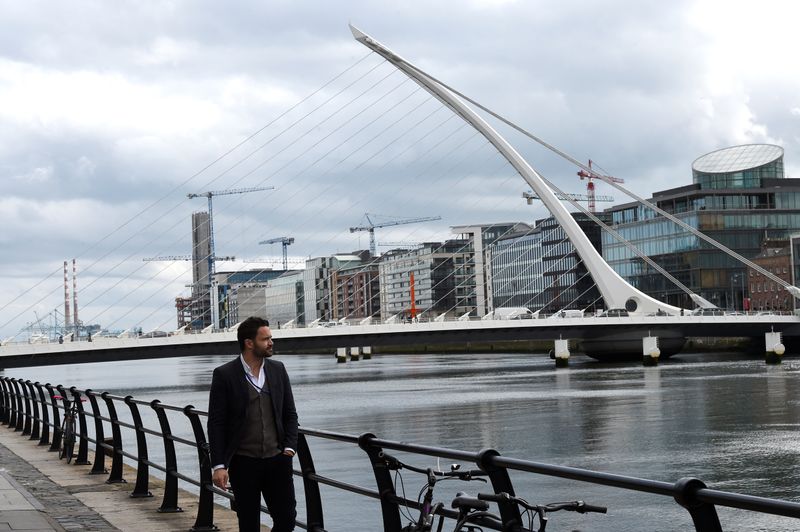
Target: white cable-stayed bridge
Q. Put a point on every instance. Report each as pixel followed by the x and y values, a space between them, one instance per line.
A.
pixel 381 129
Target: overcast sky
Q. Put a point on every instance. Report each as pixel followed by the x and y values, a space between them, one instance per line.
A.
pixel 108 110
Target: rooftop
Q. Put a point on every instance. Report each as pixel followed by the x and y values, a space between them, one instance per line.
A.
pixel 737 158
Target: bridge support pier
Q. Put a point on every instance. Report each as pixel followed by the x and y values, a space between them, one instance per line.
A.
pixel 366 352
pixel 650 351
pixel 355 353
pixel 562 353
pixel 341 355
pixel 774 347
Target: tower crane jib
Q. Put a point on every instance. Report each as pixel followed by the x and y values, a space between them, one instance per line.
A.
pixel 371 226
pixel 285 241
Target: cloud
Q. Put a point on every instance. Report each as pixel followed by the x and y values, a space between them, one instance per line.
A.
pixel 108 111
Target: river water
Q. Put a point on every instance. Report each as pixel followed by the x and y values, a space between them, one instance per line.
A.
pixel 729 420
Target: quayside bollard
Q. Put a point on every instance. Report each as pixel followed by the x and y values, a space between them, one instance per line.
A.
pixel 650 351
pixel 355 353
pixel 562 353
pixel 774 347
pixel 341 355
pixel 366 352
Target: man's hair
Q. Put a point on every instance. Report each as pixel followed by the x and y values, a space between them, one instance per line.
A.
pixel 248 329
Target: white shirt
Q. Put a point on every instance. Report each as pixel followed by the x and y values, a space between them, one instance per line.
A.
pixel 255 382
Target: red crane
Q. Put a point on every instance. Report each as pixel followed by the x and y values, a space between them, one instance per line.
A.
pixel 590 185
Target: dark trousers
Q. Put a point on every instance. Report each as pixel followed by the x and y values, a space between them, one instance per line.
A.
pixel 271 478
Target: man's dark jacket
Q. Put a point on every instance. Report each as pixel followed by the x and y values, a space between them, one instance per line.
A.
pixel 227 405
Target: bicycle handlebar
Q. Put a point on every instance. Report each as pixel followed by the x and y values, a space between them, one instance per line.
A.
pixel 494 497
pixel 394 464
pixel 572 506
pixel 575 506
pixel 464 502
pixel 67 398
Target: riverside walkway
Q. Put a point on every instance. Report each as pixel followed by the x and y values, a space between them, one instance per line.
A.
pixel 39 492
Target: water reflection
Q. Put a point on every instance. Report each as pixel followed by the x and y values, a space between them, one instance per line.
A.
pixel 726 419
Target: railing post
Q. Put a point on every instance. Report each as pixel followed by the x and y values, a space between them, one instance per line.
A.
pixel 704 515
pixel 56 443
pixel 501 482
pixel 142 468
pixel 99 466
pixel 11 407
pixel 26 428
pixel 389 508
pixel 45 439
pixel 83 448
pixel 205 509
pixel 116 453
pixel 170 502
pixel 20 412
pixel 34 402
pixel 314 517
pixel 4 410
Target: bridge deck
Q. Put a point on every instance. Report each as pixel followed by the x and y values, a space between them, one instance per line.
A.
pixel 448 332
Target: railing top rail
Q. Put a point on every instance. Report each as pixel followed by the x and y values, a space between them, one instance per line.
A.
pixel 585 475
pixel 329 435
pixel 749 502
pixel 441 452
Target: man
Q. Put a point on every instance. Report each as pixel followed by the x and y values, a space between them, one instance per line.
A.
pixel 252 430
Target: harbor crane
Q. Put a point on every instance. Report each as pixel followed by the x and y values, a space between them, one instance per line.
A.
pixel 212 256
pixel 371 226
pixel 583 174
pixel 285 241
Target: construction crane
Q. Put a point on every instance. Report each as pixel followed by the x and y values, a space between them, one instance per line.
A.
pixel 371 226
pixel 285 241
pixel 212 256
pixel 583 174
pixel 399 244
pixel 530 196
pixel 168 258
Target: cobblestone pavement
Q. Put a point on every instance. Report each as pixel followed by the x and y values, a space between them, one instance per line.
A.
pixel 58 502
pixel 75 499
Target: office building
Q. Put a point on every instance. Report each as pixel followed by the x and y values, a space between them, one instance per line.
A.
pixel 441 274
pixel 739 196
pixel 474 283
pixel 280 299
pixel 538 268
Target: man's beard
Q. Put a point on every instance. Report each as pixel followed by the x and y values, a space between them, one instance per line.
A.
pixel 262 353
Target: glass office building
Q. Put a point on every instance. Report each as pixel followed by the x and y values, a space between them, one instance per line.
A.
pixel 540 268
pixel 444 275
pixel 739 197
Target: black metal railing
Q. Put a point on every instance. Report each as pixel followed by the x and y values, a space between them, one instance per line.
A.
pixel 33 409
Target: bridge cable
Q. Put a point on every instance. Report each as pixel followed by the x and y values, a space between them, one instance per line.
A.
pixel 792 289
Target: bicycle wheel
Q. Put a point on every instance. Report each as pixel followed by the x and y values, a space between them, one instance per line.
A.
pixel 67 439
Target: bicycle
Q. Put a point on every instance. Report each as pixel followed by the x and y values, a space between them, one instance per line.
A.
pixel 474 512
pixel 428 509
pixel 67 448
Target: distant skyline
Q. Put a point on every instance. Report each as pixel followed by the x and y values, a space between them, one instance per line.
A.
pixel 107 107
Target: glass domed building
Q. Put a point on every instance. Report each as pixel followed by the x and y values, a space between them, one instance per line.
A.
pixel 739 196
pixel 738 166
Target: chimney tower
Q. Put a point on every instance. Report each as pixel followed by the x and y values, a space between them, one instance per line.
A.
pixel 75 293
pixel 67 315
